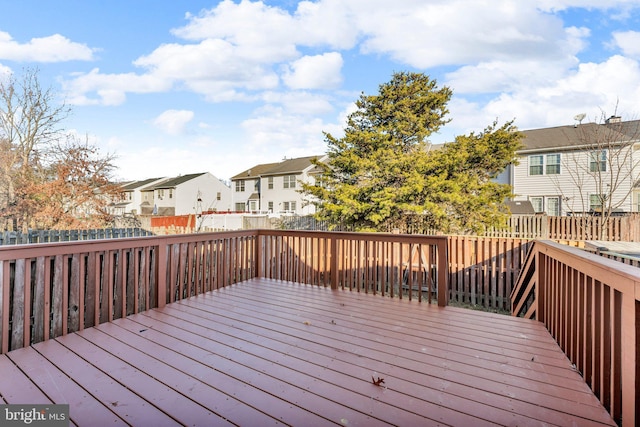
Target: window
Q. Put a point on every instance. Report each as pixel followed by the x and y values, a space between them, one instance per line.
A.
pixel 598 161
pixel 160 194
pixel 256 186
pixel 553 206
pixel 544 165
pixel 595 202
pixel 270 183
pixel 546 204
pixel 218 196
pixel 553 164
pixel 171 193
pixel 270 204
pixel 292 206
pixel 536 165
pixel 239 207
pixel 289 181
pixel 537 203
pixel 240 185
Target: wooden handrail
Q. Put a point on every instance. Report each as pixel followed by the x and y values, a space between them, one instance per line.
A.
pixel 591 306
pixel 49 290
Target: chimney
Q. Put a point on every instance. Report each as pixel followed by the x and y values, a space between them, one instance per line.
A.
pixel 614 119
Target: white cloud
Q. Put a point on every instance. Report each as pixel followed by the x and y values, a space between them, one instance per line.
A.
pixel 55 48
pixel 173 122
pixel 111 89
pixel 592 88
pixel 299 102
pixel 236 50
pixel 315 72
pixel 628 42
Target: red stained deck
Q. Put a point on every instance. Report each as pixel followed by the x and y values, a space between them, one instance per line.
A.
pixel 267 352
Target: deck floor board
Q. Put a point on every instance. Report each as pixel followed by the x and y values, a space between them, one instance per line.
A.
pixel 266 352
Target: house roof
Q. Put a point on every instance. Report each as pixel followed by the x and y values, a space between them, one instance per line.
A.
pixel 582 135
pixel 174 182
pixel 133 185
pixel 254 172
pixel 287 166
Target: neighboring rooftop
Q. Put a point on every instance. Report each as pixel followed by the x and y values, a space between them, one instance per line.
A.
pixel 133 185
pixel 580 135
pixel 174 182
pixel 286 166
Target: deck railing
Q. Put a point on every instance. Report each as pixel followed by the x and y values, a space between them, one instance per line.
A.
pixel 50 290
pixel 591 306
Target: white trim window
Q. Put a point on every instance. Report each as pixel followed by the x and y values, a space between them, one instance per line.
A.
pixel 553 164
pixel 537 203
pixel 540 164
pixel 240 185
pixel 536 165
pixel 553 206
pixel 595 202
pixel 289 206
pixel 289 181
pixel 598 161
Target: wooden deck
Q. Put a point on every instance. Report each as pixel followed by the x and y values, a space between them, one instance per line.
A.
pixel 268 352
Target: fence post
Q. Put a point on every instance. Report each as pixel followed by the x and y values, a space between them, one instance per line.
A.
pixel 443 267
pixel 258 253
pixel 334 263
pixel 161 268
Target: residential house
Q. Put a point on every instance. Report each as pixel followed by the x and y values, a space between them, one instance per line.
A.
pixel 181 195
pixel 275 187
pixel 132 197
pixel 245 188
pixel 578 168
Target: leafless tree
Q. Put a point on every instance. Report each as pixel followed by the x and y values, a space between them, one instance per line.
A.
pixel 47 178
pixel 603 168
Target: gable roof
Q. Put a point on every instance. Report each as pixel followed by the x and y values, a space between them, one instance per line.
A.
pixel 576 136
pixel 137 184
pixel 174 182
pixel 290 166
pixel 254 172
pixel 287 166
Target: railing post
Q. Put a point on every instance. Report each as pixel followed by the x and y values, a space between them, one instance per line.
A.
pixel 258 254
pixel 443 268
pixel 630 322
pixel 334 263
pixel 161 277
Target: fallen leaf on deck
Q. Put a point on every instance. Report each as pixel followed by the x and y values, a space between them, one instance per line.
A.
pixel 378 381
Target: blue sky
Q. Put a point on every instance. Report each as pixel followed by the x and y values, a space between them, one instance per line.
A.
pixel 177 87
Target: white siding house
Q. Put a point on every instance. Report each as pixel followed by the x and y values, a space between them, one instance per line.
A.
pixel 188 194
pixel 275 187
pixel 132 196
pixel 181 195
pixel 573 169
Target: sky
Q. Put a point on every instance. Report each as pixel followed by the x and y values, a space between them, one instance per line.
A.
pixel 178 87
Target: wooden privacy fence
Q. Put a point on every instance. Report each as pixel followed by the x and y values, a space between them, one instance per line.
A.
pixel 623 228
pixel 591 306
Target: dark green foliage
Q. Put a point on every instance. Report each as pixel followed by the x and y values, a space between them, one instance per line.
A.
pixel 384 168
